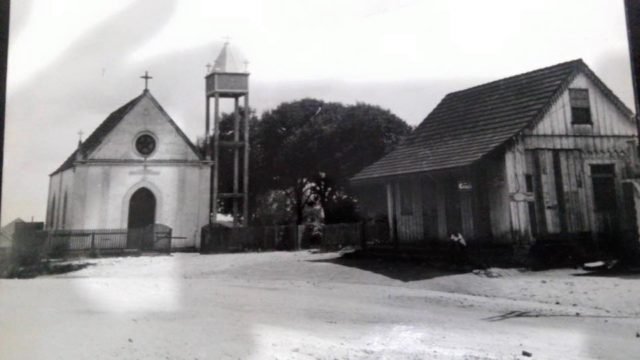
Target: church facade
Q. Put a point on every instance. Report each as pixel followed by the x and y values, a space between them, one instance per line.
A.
pixel 136 169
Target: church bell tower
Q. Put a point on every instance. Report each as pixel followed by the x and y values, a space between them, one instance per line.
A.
pixel 227 81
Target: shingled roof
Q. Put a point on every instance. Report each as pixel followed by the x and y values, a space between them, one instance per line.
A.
pixel 99 134
pixel 468 124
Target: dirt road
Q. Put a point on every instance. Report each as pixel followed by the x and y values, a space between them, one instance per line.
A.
pixel 314 306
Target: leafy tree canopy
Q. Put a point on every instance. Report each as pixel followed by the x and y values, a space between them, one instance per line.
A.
pixel 310 148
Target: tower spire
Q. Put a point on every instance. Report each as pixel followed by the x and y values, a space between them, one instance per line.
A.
pixel 220 64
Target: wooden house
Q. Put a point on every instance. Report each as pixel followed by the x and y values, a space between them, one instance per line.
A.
pixel 540 155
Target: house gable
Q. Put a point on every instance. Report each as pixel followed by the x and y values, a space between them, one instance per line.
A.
pixel 609 117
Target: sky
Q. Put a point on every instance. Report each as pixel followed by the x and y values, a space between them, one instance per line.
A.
pixel 72 62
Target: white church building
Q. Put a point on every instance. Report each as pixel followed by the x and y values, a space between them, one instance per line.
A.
pixel 136 169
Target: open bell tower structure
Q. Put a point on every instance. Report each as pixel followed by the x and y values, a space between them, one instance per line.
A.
pixel 228 80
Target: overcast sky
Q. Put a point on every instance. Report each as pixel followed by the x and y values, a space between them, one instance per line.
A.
pixel 72 62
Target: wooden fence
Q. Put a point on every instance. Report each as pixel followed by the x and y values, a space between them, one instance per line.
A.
pixel 153 238
pixel 83 240
pixel 292 237
pixel 5 260
pixel 224 239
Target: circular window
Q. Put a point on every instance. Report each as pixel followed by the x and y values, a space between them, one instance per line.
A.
pixel 145 144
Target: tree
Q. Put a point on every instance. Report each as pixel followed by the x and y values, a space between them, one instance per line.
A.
pixel 314 147
pixel 309 149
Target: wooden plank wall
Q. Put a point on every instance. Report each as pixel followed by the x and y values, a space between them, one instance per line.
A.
pixel 515 169
pixel 559 154
pixel 498 198
pixel 481 208
pixel 391 215
pixel 542 167
pixel 546 184
pixel 430 214
pixel 372 200
pixel 410 225
pixel 442 209
pixel 427 219
pixel 607 118
pixel 572 169
pixel 466 198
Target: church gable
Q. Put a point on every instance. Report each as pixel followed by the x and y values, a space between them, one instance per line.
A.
pixel 145 131
pixel 115 138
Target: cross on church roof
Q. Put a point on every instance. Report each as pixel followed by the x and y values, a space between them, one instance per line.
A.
pixel 146 78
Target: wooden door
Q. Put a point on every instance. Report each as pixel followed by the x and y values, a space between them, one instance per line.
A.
pixel 546 193
pixel 559 192
pixel 605 204
pixel 142 213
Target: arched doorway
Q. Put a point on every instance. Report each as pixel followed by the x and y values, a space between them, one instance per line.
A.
pixel 142 216
pixel 142 209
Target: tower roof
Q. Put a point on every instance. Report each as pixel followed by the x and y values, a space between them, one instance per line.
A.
pixel 229 60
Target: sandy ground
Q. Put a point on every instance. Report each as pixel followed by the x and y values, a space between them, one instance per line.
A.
pixel 315 306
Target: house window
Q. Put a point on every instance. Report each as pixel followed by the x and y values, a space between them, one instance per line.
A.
pixel 406 203
pixel 580 109
pixel 528 178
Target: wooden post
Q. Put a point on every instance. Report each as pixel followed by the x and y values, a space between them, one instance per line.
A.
pixel 207 127
pixel 209 150
pixel 632 17
pixel 236 159
pixel 245 182
pixel 48 247
pixel 93 241
pixel 391 214
pixel 216 157
pixel 363 235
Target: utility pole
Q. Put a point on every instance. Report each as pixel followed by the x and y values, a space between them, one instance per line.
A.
pixel 632 12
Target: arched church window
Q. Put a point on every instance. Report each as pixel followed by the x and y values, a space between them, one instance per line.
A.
pixel 64 210
pixel 145 144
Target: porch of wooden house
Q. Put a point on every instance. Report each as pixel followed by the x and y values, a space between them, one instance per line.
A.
pixel 422 210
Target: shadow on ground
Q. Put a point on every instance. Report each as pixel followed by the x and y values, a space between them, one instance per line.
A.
pixel 617 273
pixel 397 269
pixel 46 268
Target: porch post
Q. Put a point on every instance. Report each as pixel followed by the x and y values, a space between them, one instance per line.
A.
pixel 391 214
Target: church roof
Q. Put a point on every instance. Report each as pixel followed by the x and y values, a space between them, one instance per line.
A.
pixel 100 133
pixel 468 124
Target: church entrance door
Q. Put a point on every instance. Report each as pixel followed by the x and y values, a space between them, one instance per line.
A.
pixel 142 215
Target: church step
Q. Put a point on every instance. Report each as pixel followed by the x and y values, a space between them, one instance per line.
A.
pixel 237 144
pixel 230 195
